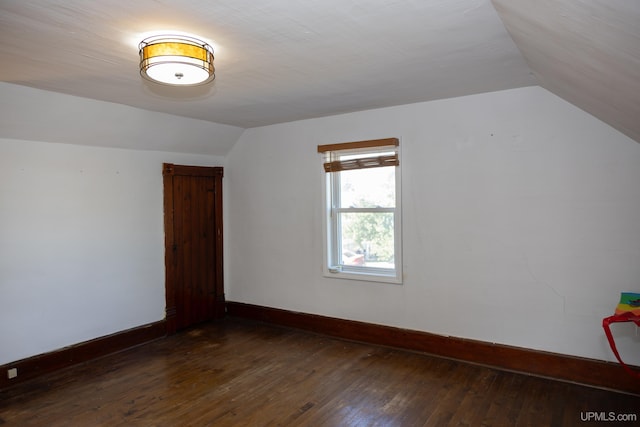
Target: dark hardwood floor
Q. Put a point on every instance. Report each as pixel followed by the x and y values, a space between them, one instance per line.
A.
pixel 236 372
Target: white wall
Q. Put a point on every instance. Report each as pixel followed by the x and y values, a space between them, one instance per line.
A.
pixel 521 221
pixel 520 225
pixel 81 242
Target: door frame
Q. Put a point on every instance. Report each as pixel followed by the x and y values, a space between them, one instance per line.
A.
pixel 170 170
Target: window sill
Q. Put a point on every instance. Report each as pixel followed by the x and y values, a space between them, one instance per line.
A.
pixel 364 276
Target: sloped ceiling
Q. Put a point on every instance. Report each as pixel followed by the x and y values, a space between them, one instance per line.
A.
pixel 587 52
pixel 276 60
pixel 285 60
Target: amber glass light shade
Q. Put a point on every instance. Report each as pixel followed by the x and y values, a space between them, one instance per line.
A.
pixel 176 60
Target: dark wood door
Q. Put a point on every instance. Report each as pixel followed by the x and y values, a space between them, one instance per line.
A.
pixel 193 244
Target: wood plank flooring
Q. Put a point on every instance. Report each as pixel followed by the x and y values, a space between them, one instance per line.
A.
pixel 236 372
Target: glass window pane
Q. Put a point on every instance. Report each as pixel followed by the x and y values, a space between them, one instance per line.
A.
pixel 368 188
pixel 367 239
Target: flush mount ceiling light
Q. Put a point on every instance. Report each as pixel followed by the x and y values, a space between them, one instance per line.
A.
pixel 176 60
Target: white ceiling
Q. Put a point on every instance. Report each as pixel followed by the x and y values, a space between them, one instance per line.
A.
pixel 585 51
pixel 284 60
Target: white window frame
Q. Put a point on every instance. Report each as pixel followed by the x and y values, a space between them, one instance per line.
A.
pixel 332 266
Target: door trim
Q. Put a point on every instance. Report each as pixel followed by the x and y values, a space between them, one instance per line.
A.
pixel 170 170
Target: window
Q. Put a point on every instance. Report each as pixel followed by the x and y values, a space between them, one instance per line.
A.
pixel 362 210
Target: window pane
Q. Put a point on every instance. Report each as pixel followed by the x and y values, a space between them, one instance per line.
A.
pixel 368 188
pixel 367 239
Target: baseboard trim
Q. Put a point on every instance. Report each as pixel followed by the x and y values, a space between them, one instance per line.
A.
pixel 48 362
pixel 591 372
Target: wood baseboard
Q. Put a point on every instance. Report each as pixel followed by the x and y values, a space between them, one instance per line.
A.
pixel 579 370
pixel 82 352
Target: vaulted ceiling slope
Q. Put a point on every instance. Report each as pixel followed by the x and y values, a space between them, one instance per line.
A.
pixel 276 60
pixel 283 60
pixel 587 52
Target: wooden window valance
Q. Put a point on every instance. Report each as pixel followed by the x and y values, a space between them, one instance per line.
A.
pixel 334 164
